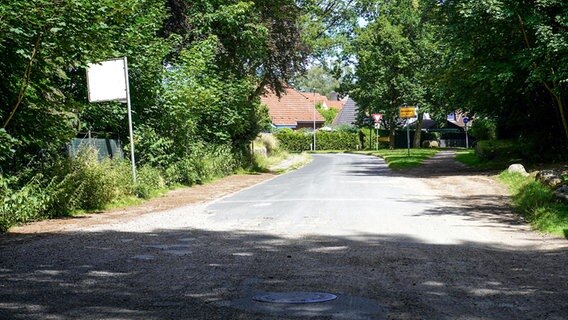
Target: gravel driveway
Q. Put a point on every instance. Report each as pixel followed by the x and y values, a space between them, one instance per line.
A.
pixel 461 255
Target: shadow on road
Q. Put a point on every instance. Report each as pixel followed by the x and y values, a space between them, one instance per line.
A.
pixel 201 274
pixel 441 165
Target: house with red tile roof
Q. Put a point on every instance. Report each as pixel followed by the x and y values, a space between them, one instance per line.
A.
pixel 293 109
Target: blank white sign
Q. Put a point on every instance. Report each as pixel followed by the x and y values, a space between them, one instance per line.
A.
pixel 106 81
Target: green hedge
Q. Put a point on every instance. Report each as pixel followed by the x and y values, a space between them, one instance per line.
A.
pixel 298 141
pixel 294 141
pixel 336 140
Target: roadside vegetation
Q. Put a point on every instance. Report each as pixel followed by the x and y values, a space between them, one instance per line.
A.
pixel 197 70
pixel 195 92
pixel 267 152
pixel 532 199
pixel 537 203
pixel 470 158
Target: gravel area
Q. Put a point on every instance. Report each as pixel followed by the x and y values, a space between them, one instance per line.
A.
pixel 465 257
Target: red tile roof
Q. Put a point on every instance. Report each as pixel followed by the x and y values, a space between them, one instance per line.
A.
pixel 292 107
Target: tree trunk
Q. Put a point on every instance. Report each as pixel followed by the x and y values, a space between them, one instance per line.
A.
pixel 391 134
pixel 418 132
pixel 25 81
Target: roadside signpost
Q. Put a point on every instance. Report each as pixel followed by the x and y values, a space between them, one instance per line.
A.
pixel 465 122
pixel 377 117
pixel 108 81
pixel 407 112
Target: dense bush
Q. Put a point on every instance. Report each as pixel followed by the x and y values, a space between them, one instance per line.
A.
pixel 85 183
pixel 294 141
pixel 336 140
pixel 328 114
pixel 148 180
pixel 505 150
pixel 268 142
pixel 298 141
pixel 204 164
pixel 19 206
pixel 483 129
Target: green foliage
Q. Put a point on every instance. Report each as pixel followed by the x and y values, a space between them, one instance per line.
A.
pixel 297 141
pixel 85 183
pixel 470 158
pixel 318 79
pixel 196 71
pixel 483 129
pixel 23 205
pixel 80 183
pixel 203 165
pixel 267 142
pixel 149 180
pixel 336 140
pixel 505 151
pixel 397 55
pixel 512 55
pixel 294 141
pixel 537 203
pixel 266 153
pixel 328 114
pixel 45 47
pixel 152 148
pixel 204 103
pixel 7 144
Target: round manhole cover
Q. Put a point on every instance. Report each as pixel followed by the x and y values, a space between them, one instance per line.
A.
pixel 294 297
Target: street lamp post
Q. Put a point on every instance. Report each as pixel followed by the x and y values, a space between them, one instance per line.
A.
pixel 314 143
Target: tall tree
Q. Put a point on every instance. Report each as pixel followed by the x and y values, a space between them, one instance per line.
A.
pixel 45 46
pixel 318 79
pixel 259 39
pixel 509 59
pixel 394 54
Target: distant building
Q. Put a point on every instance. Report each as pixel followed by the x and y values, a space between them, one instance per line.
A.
pixel 294 110
pixel 348 113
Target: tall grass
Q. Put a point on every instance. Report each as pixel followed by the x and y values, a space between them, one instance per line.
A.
pixel 267 152
pixel 537 203
pixel 84 183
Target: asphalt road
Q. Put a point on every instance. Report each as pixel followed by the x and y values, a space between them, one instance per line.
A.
pixel 386 245
pixel 337 194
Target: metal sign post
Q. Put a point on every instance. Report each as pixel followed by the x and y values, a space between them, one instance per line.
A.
pixel 377 117
pixel 108 81
pixel 465 121
pixel 314 142
pixel 131 131
pixel 407 113
pixel 377 125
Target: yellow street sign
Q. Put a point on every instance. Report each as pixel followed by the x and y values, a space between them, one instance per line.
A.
pixel 407 112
